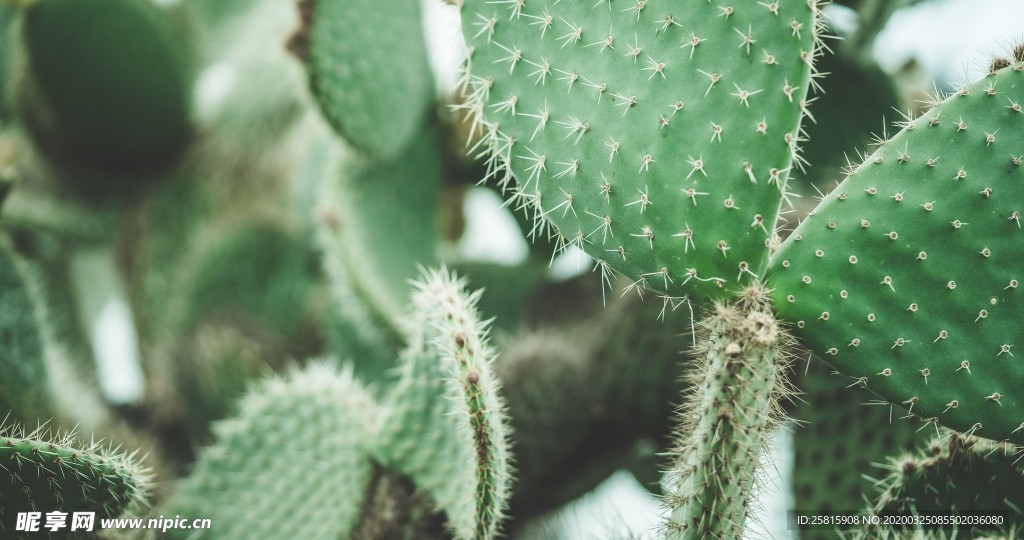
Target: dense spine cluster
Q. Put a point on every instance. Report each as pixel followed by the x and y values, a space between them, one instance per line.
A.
pixel 656 137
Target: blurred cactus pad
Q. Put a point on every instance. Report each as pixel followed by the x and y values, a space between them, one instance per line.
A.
pixel 480 269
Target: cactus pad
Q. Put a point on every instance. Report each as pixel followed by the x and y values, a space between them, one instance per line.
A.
pixel 24 385
pixel 44 474
pixel 90 101
pixel 906 277
pixel 445 412
pixel 368 69
pixel 956 474
pixel 379 221
pixel 292 463
pixel 656 136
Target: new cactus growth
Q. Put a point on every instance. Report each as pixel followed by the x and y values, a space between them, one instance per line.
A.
pixel 726 420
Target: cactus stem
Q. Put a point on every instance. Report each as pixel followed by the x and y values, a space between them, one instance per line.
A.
pixel 725 422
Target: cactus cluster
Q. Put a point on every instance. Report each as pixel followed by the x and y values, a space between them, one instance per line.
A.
pixel 258 208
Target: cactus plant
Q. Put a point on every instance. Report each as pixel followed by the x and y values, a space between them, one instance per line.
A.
pixel 132 128
pixel 955 471
pixel 56 472
pixel 308 167
pixel 633 146
pixel 902 277
pixel 339 419
pixel 445 411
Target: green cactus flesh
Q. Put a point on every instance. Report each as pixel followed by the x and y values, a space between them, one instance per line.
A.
pixel 445 411
pixel 368 70
pixel 292 464
pixel 956 474
pixel 91 101
pixel 24 384
pixel 657 137
pixel 726 421
pixel 44 474
pixel 906 276
pixel 841 436
pixel 379 221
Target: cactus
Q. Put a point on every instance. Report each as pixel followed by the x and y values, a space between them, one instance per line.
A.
pixel 291 208
pixel 316 423
pixel 359 208
pixel 24 388
pixel 727 420
pixel 80 119
pixel 843 433
pixel 448 364
pixel 955 473
pixel 633 146
pixel 368 70
pixel 903 277
pixel 55 472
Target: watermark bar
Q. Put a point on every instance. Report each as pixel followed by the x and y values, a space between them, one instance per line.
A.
pixel 56 521
pixel 924 519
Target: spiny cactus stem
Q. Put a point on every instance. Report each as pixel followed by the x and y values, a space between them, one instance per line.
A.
pixel 725 424
pixel 482 441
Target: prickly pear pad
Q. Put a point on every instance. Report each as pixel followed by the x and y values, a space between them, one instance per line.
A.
pixel 368 70
pixel 655 135
pixel 907 275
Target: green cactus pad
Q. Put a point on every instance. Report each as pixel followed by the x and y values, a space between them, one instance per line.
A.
pixel 292 464
pixel 906 277
pixel 24 384
pixel 93 102
pixel 840 437
pixel 44 473
pixel 379 221
pixel 656 136
pixel 956 474
pixel 368 69
pixel 445 422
